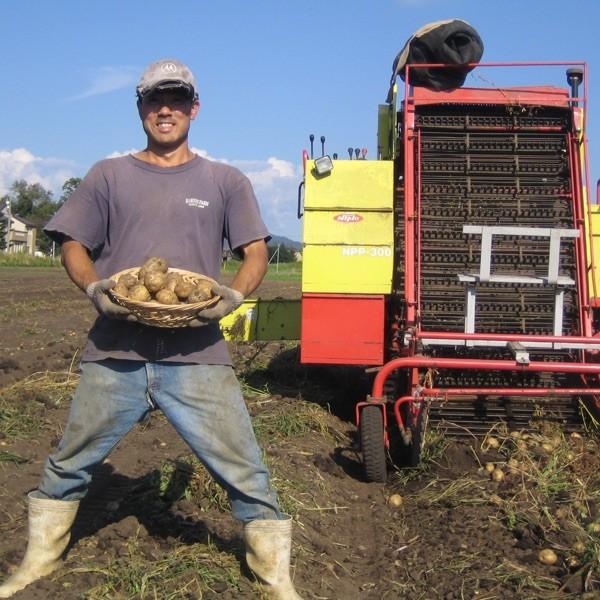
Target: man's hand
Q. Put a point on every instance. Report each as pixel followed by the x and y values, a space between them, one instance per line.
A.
pixel 229 301
pixel 96 292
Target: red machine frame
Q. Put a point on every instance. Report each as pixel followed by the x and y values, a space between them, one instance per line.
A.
pixel 589 370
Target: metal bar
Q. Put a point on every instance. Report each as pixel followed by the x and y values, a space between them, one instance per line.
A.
pixel 418 223
pixel 509 391
pixel 399 402
pixel 588 203
pixel 528 345
pixel 507 337
pixel 486 254
pixel 581 271
pixel 559 297
pixel 409 206
pixel 466 364
pixel 517 231
pixel 571 63
pixel 554 258
pixel 471 302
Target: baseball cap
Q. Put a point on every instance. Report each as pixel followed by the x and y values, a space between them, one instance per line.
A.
pixel 165 74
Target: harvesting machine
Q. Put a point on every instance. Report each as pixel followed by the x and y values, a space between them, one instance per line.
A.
pixel 460 266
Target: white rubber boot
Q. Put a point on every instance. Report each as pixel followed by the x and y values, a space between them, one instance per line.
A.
pixel 50 524
pixel 268 549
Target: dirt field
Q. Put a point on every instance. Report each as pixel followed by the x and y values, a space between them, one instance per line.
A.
pixel 155 526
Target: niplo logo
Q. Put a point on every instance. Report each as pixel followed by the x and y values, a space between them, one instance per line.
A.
pixel 348 218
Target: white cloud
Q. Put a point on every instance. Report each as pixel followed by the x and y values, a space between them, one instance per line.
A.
pixel 118 153
pixel 275 181
pixel 20 163
pixel 106 80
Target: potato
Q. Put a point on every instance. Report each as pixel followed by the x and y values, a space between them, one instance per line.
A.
pixel 156 263
pixel 128 280
pixel 202 291
pixel 183 289
pixel 497 475
pixel 139 293
pixel 395 500
pixel 547 556
pixel 141 275
pixel 166 296
pixel 121 289
pixel 154 281
pixel 172 280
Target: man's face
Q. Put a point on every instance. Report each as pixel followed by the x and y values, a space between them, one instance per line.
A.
pixel 166 116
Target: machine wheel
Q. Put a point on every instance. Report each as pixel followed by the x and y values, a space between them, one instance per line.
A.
pixel 372 443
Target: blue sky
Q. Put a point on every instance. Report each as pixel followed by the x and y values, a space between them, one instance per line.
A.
pixel 269 73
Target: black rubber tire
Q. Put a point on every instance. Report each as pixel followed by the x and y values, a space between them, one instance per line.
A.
pixel 372 443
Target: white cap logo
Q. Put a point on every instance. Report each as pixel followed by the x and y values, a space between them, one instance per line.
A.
pixel 168 68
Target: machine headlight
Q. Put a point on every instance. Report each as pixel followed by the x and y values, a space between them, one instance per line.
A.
pixel 323 165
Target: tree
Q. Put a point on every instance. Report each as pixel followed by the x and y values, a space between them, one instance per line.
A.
pixel 69 186
pixel 30 199
pixel 34 203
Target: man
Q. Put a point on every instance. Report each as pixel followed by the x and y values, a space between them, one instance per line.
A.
pixel 164 201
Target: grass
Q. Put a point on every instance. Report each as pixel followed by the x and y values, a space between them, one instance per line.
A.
pixel 187 478
pixel 23 404
pixel 185 571
pixel 20 259
pixel 434 448
pixel 293 420
pixel 282 272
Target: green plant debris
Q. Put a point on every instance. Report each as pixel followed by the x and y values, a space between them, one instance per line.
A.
pixel 6 456
pixel 293 420
pixel 185 571
pixel 23 404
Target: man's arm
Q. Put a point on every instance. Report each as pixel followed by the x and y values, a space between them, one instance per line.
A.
pixel 245 281
pixel 253 268
pixel 81 270
pixel 77 263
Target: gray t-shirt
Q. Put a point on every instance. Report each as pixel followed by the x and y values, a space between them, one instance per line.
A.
pixel 126 210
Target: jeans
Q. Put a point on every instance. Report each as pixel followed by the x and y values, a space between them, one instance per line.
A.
pixel 204 404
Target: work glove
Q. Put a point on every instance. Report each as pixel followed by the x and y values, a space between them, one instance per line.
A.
pixel 229 301
pixel 96 292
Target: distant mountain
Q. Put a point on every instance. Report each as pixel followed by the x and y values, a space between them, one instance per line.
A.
pixel 284 241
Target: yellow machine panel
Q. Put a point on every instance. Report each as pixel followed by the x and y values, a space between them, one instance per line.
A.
pixel 264 320
pixel 359 184
pixel 348 227
pixel 595 243
pixel 347 269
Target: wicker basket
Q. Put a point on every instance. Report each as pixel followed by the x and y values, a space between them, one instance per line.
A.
pixel 164 315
